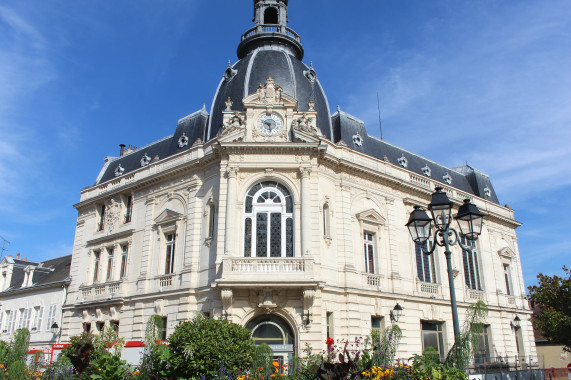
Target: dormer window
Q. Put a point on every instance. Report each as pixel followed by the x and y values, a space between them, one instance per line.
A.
pixel 357 140
pixel 447 178
pixel 426 171
pixel 403 162
pixel 487 192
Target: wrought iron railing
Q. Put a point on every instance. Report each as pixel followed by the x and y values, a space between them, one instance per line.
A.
pixel 271 29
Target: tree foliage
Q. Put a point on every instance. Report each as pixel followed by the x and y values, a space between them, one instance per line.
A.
pixel 554 298
pixel 201 346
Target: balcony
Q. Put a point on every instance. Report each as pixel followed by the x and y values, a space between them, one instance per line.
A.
pixel 428 288
pixel 100 292
pixel 256 271
pixel 475 295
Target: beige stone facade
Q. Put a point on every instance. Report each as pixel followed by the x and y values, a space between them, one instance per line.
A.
pixel 199 197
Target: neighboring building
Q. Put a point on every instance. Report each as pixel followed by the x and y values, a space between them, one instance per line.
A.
pixel 281 217
pixel 552 357
pixel 31 296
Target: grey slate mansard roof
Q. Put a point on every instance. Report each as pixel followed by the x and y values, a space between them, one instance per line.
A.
pixel 46 272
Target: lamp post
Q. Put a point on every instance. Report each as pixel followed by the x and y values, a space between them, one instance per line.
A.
pixel 396 312
pixel 469 220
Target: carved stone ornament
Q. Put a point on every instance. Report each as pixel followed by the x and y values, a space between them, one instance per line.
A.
pixel 182 141
pixel 357 140
pixel 403 161
pixel 119 170
pixel 311 105
pixel 308 298
pixel 305 124
pixel 112 214
pixel 270 93
pixel 145 160
pixel 229 103
pixel 234 123
pixel 227 298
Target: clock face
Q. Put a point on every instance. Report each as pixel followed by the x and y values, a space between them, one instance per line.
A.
pixel 269 125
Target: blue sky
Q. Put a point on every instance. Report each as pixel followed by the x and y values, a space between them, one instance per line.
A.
pixel 485 82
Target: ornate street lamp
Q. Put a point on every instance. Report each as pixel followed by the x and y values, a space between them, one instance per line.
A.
pixel 396 312
pixel 55 328
pixel 516 323
pixel 469 220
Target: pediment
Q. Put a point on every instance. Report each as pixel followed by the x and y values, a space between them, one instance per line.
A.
pixel 507 253
pixel 371 216
pixel 168 216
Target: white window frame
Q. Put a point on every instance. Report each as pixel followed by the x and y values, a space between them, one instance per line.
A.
pixel 96 265
pixel 472 259
pixel 268 208
pixel 52 310
pixel 38 318
pixel 423 260
pixel 124 260
pixel 11 321
pixel 110 261
pixel 170 247
pixel 369 239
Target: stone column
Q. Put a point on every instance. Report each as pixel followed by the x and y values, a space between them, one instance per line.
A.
pixel 230 242
pixel 305 211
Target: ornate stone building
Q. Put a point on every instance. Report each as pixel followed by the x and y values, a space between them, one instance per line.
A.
pixel 280 216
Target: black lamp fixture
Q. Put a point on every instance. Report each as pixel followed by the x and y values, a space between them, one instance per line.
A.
pixel 516 323
pixel 396 312
pixel 469 220
pixel 307 319
pixel 55 328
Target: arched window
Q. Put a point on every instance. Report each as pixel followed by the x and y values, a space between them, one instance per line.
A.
pixel 271 16
pixel 268 221
pixel 326 221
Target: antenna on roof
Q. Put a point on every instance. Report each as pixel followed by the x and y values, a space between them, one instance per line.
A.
pixel 379 107
pixel 4 241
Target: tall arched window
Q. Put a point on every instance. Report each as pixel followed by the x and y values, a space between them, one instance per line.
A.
pixel 268 221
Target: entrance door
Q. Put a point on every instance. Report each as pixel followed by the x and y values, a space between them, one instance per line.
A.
pixel 276 333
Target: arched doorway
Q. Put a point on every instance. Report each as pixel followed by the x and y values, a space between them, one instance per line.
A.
pixel 276 333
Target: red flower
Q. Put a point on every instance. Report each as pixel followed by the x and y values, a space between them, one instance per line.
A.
pixel 329 341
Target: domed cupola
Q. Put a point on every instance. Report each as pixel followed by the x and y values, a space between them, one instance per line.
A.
pixel 270 18
pixel 270 50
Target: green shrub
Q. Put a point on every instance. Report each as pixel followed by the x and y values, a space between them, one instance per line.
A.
pixel 203 345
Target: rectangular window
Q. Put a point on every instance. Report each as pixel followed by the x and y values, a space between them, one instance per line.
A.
pixel 124 253
pixel 110 252
pixel 432 337
pixel 211 220
pixel 169 261
pixel 330 325
pixel 11 324
pixel 25 315
pixel 163 333
pixel 114 326
pixel 100 326
pixel 471 266
pixel 326 220
pixel 128 208
pixel 97 257
pixel 86 327
pixel 369 252
pixel 482 349
pixel 38 318
pixel 425 267
pixel 51 316
pixel 101 223
pixel 507 277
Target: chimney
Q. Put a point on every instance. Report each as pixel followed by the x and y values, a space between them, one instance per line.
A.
pixel 26 258
pixel 122 146
pixel 18 255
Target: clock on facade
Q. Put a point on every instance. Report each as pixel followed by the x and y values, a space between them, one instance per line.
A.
pixel 269 124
